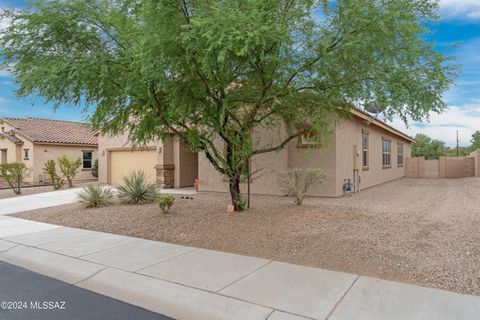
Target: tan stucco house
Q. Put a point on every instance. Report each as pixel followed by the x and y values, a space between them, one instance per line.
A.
pixel 33 141
pixel 363 149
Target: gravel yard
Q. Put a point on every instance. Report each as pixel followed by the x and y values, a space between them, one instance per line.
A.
pixel 424 232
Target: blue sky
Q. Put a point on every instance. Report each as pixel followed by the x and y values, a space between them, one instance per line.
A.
pixel 457 34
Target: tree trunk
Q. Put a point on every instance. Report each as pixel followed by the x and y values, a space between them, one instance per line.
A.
pixel 234 184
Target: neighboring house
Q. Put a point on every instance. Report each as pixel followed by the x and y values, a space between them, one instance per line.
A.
pixel 34 141
pixel 367 151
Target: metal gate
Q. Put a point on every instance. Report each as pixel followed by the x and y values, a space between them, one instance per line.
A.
pixel 431 169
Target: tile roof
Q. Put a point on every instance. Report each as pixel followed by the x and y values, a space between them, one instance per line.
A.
pixel 52 131
pixel 10 137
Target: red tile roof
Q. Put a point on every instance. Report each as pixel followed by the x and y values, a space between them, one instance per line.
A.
pixel 52 131
pixel 10 137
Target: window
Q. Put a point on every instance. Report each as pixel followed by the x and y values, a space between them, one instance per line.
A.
pixel 399 154
pixel 386 153
pixel 365 150
pixel 26 154
pixel 309 139
pixel 87 157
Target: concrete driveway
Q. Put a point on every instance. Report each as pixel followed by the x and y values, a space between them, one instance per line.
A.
pixel 38 201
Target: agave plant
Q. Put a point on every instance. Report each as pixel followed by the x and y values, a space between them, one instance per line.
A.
pixel 94 196
pixel 136 189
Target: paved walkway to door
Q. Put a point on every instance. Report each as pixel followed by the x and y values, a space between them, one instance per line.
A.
pixel 189 283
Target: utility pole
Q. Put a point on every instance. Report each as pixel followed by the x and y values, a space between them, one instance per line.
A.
pixel 457 144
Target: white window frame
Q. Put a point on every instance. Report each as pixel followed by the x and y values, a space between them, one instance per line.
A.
pixel 386 153
pixel 365 155
pixel 87 160
pixel 400 154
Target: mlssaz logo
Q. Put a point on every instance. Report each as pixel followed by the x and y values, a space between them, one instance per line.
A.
pixel 47 305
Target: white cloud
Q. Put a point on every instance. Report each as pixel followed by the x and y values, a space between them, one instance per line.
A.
pixel 444 126
pixel 4 22
pixel 460 9
pixel 5 73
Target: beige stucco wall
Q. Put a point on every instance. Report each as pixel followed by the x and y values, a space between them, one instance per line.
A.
pixel 266 166
pixel 13 150
pixel 30 162
pixel 349 133
pixel 269 165
pixel 44 152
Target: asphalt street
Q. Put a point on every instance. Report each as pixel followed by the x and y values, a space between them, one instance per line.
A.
pixel 26 295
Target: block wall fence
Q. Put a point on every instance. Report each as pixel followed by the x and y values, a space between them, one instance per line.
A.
pixel 445 167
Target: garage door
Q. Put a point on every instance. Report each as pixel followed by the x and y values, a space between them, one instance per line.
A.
pixel 122 163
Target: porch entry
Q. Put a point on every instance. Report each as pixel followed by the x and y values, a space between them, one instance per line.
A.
pixel 178 167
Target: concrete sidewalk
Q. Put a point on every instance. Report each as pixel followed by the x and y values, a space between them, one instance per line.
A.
pixel 38 201
pixel 188 283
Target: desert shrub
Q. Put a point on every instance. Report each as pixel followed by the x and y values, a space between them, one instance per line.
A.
pixel 14 173
pixel 94 196
pixel 165 202
pixel 296 182
pixel 95 169
pixel 69 168
pixel 136 189
pixel 50 169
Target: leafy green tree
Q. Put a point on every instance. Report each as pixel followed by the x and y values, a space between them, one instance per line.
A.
pixel 50 169
pixel 425 146
pixel 213 72
pixel 14 174
pixel 69 168
pixel 462 151
pixel 475 141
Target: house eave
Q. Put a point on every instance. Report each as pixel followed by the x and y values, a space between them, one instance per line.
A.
pixel 381 124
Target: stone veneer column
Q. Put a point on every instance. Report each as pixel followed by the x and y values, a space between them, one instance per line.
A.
pixel 165 175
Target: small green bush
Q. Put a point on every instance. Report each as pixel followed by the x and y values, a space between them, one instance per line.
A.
pixel 69 168
pixel 136 189
pixel 165 202
pixel 50 169
pixel 14 173
pixel 94 196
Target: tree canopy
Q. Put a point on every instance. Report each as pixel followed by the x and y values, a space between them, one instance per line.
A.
pixel 475 141
pixel 212 72
pixel 427 147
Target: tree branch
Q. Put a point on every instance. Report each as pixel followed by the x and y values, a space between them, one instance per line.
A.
pixel 281 145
